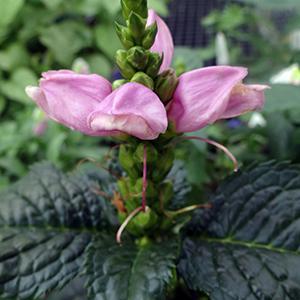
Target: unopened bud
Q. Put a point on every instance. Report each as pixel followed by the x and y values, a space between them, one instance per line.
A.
pixel 149 36
pixel 126 68
pixel 154 63
pixel 137 57
pixel 138 6
pixel 166 85
pixel 124 35
pixel 136 26
pixel 151 191
pixel 143 79
pixel 163 165
pixel 143 222
pixel 152 153
pixel 166 192
pixel 117 83
pixel 127 162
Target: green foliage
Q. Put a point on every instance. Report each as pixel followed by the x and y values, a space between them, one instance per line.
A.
pixel 274 4
pixel 37 36
pixel 244 26
pixel 56 227
pixel 48 210
pixel 247 245
pixel 130 272
pixel 281 98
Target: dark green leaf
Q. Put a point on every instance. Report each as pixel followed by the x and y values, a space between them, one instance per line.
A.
pixel 129 273
pixel 46 222
pixel 247 246
pixel 182 188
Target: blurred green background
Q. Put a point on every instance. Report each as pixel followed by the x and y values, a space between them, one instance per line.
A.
pixel 38 35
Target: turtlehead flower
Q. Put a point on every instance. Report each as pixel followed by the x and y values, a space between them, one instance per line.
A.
pixel 87 104
pixel 206 95
pixel 198 98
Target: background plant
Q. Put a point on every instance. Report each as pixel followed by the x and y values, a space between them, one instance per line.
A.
pixel 36 36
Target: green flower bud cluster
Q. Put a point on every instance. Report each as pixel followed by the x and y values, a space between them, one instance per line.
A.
pixel 138 64
pixel 166 84
pixel 159 191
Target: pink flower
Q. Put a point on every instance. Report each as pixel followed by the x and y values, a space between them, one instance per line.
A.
pixel 206 95
pixel 164 42
pixel 87 104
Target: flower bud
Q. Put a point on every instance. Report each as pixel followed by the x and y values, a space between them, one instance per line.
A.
pixel 123 188
pixel 144 79
pixel 126 68
pixel 151 191
pixel 166 85
pixel 163 165
pixel 117 83
pixel 137 57
pixel 149 36
pixel 136 26
pixel 127 162
pixel 152 153
pixel 154 63
pixel 166 192
pixel 138 6
pixel 124 35
pixel 141 223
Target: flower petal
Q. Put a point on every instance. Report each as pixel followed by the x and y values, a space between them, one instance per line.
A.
pixel 164 42
pixel 202 96
pixel 132 109
pixel 68 97
pixel 245 98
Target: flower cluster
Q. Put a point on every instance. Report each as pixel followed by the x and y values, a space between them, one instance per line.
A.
pixel 88 103
pixel 150 104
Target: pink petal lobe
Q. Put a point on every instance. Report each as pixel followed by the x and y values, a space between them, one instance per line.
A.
pixel 68 97
pixel 202 96
pixel 245 98
pixel 132 109
pixel 164 42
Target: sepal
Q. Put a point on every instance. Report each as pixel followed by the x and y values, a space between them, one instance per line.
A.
pixel 143 79
pixel 150 36
pixel 124 35
pixel 166 85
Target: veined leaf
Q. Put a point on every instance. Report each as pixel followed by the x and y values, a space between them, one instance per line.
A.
pixel 47 220
pixel 130 273
pixel 247 246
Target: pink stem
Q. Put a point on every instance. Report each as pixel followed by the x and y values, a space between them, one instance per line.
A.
pixel 219 146
pixel 126 222
pixel 144 199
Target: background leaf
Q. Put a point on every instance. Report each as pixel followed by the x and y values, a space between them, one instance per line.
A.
pixel 282 97
pixel 247 246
